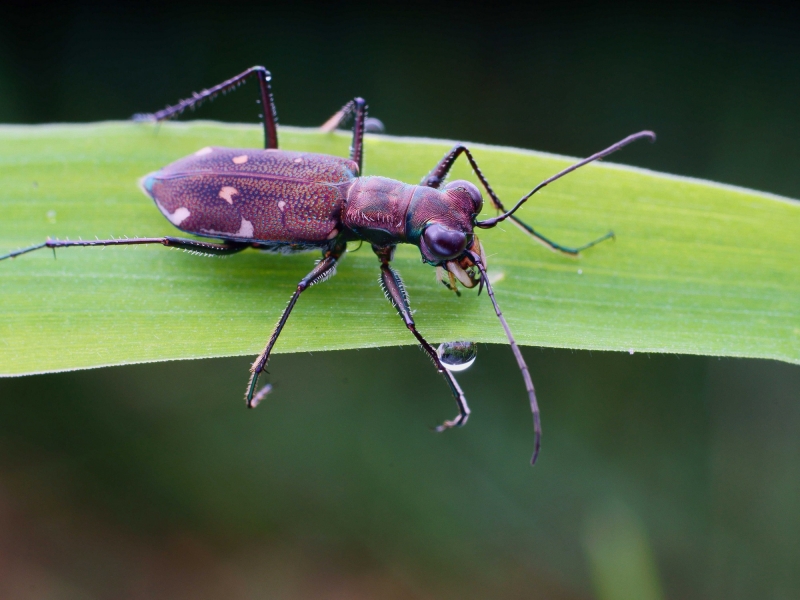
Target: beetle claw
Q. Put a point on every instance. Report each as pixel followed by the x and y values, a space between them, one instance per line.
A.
pixel 459 421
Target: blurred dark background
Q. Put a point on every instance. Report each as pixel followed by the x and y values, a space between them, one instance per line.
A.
pixel 661 476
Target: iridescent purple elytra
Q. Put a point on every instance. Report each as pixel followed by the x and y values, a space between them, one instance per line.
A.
pixel 282 200
pixel 278 200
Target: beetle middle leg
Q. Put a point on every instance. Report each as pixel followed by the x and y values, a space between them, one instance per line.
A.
pixel 396 294
pixel 323 270
pixel 270 115
pixel 438 174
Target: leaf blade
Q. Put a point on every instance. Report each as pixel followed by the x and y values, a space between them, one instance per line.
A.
pixel 697 268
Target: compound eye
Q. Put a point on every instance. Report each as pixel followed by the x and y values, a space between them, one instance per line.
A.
pixel 444 243
pixel 466 189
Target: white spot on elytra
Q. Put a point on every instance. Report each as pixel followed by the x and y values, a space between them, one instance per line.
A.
pixel 227 193
pixel 297 160
pixel 240 160
pixel 204 151
pixel 333 234
pixel 281 204
pixel 245 229
pixel 179 216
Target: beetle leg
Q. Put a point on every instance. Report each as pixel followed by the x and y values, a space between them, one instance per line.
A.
pixel 371 124
pixel 361 124
pixel 439 173
pixel 270 115
pixel 229 247
pixel 396 294
pixel 322 271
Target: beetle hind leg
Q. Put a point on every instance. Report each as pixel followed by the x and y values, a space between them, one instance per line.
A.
pixel 193 246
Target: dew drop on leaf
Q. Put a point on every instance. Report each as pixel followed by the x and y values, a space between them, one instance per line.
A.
pixel 457 356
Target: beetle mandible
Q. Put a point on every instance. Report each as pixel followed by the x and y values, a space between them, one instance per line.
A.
pixel 282 201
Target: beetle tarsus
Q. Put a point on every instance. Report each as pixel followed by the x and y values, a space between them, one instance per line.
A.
pixel 459 421
pixel 16 253
pixel 205 248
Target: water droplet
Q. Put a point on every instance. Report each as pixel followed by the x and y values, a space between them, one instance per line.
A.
pixel 457 356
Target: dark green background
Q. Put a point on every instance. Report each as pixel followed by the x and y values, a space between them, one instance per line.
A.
pixel 661 476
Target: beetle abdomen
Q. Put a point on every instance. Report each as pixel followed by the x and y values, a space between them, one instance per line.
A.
pixel 254 195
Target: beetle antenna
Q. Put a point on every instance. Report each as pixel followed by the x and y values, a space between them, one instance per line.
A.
pixel 488 223
pixel 537 425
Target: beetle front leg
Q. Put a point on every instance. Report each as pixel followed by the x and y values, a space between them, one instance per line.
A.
pixel 396 294
pixel 322 271
pixel 438 174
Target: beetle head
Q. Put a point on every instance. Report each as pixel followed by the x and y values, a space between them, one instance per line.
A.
pixel 447 237
pixel 464 194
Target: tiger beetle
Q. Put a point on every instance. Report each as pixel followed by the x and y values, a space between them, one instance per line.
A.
pixel 282 201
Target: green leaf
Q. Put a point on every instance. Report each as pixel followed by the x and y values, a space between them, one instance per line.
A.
pixel 697 267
